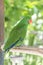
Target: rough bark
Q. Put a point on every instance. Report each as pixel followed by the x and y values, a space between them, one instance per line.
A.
pixel 1 57
pixel 1 31
pixel 1 22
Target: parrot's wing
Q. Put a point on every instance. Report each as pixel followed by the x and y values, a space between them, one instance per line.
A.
pixel 17 32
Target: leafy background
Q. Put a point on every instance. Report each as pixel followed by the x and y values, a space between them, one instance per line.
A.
pixel 16 9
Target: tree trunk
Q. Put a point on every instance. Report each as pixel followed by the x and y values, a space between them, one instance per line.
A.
pixel 1 22
pixel 1 57
pixel 1 31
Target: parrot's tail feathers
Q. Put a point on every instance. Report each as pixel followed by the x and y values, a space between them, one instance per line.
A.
pixel 13 44
pixel 6 50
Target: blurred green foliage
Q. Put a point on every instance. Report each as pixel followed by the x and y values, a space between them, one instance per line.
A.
pixel 16 9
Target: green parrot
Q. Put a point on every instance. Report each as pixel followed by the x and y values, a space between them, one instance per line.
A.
pixel 17 33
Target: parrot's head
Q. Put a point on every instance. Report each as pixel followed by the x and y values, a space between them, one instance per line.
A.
pixel 28 20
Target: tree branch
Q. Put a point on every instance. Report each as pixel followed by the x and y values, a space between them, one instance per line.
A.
pixel 28 50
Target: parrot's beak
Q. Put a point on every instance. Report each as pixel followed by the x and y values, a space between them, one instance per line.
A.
pixel 30 21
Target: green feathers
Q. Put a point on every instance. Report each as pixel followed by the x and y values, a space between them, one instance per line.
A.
pixel 18 31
